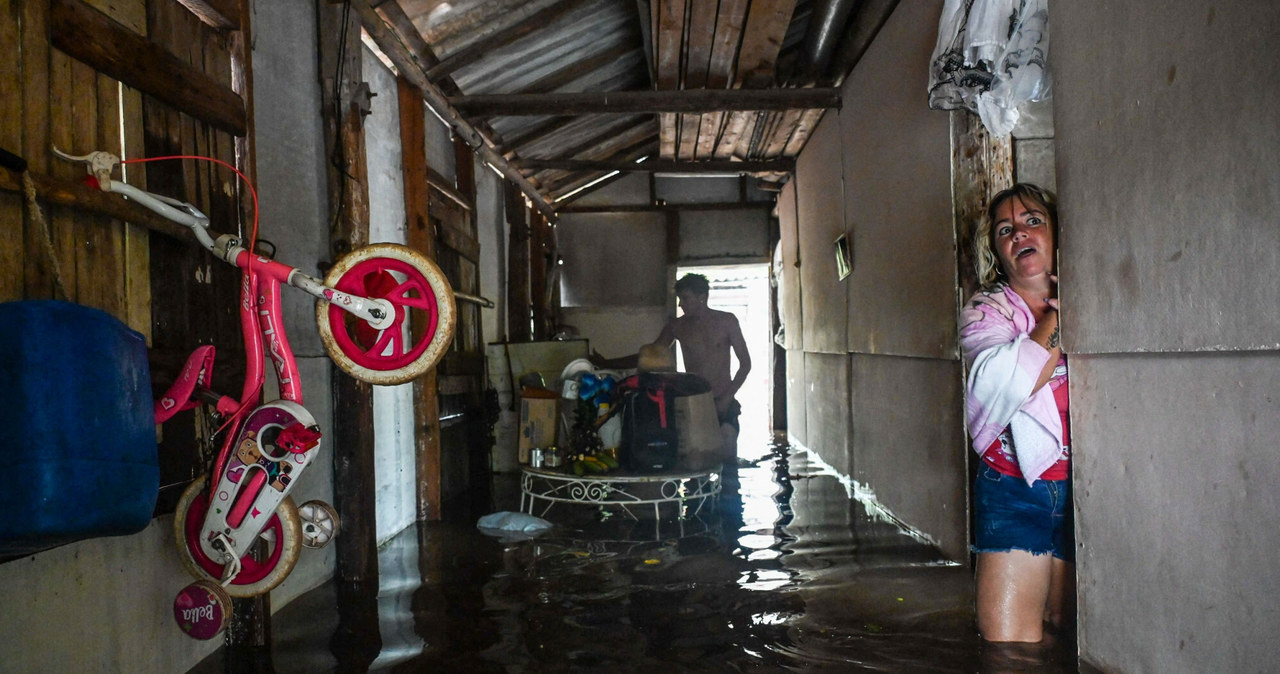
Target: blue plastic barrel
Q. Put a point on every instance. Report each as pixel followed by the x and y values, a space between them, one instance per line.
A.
pixel 77 431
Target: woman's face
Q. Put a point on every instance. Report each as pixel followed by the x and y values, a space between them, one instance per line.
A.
pixel 1023 239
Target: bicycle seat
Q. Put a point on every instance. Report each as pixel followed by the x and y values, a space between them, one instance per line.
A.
pixel 196 372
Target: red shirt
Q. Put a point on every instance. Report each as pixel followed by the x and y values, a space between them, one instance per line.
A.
pixel 1001 455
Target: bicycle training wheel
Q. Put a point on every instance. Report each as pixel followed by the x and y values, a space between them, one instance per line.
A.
pixel 283 537
pixel 425 314
pixel 320 523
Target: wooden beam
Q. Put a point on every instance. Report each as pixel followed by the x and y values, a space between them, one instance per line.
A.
pixel 612 144
pixel 412 67
pixel 80 196
pixel 643 208
pixel 353 454
pixel 482 47
pixel 781 165
pixel 519 303
pixel 634 102
pixel 420 237
pixel 93 38
pixel 222 14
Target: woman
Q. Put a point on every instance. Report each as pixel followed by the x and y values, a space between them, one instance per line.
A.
pixel 1016 406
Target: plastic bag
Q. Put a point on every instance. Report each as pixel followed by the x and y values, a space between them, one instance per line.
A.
pixel 990 58
pixel 510 526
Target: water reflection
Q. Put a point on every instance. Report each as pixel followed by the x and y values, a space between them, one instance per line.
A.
pixel 788 574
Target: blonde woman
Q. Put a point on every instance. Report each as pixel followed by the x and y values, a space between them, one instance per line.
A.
pixel 1016 406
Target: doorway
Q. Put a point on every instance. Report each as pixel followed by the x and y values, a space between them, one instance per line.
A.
pixel 743 290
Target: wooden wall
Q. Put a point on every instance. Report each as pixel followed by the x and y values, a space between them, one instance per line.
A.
pixel 135 78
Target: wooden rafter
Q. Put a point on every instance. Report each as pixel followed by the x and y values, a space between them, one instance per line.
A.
pixel 782 165
pixel 633 102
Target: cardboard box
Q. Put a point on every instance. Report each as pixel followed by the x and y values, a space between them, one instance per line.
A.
pixel 699 431
pixel 537 425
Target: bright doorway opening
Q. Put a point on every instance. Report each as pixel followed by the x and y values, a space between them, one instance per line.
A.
pixel 743 290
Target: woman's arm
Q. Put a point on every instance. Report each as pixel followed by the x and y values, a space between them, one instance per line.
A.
pixel 1047 334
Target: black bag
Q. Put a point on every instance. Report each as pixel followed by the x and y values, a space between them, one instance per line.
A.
pixel 649 440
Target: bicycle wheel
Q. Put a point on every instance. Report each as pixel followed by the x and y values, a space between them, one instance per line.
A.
pixel 282 534
pixel 425 315
pixel 320 523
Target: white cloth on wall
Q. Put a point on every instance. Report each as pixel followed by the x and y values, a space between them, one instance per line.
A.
pixel 990 58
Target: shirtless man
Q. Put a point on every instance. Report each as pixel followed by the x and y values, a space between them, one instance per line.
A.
pixel 707 337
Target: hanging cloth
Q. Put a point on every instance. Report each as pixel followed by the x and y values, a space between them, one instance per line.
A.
pixel 990 58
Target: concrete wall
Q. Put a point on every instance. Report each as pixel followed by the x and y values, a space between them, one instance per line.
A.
pixel 880 399
pixel 616 284
pixel 395 471
pixel 1165 115
pixel 615 278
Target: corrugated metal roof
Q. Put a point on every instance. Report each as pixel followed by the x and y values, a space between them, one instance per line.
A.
pixel 549 47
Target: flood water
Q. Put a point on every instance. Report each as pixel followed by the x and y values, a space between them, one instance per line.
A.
pixel 790 575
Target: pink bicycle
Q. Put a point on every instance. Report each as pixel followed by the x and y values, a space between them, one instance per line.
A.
pixel 386 315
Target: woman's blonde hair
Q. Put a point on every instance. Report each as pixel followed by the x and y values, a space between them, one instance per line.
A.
pixel 985 259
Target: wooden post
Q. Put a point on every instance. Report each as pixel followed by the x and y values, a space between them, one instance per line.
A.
pixel 981 166
pixel 353 476
pixel 519 307
pixel 422 238
pixel 538 273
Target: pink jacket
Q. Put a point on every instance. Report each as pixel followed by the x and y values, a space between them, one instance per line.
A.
pixel 1003 365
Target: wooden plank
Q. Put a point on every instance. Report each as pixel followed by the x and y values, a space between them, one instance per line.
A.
pixel 734 127
pixel 131 15
pixel 699 43
pixel 688 140
pixel 709 135
pixel 667 125
pixel 60 232
pixel 452 229
pixel 222 14
pixel 113 49
pixel 137 249
pixel 419 236
pixel 730 22
pixel 101 257
pixel 766 27
pixel 12 253
pixel 444 186
pixel 788 122
pixel 35 85
pixel 808 122
pixel 668 38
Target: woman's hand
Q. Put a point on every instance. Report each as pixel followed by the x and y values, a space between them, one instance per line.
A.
pixel 1052 299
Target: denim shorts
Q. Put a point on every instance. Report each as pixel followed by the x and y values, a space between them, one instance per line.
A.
pixel 1009 515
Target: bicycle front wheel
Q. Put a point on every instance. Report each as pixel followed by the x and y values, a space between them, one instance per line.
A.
pixel 425 315
pixel 282 535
